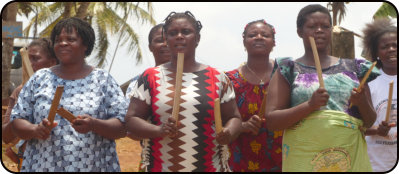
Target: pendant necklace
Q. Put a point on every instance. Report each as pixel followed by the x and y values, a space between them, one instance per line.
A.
pixel 261 79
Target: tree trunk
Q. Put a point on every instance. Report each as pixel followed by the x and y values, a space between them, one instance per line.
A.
pixel 8 43
pixel 67 10
pixel 82 10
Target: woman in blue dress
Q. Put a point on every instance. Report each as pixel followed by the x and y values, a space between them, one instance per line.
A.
pixel 91 94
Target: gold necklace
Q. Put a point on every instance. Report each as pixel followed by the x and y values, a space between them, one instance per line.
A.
pixel 261 79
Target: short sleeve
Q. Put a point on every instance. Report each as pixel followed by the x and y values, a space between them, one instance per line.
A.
pixel 141 88
pixel 129 91
pixel 286 67
pixel 363 66
pixel 227 92
pixel 23 108
pixel 115 100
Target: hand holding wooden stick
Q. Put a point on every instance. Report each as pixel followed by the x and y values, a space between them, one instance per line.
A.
pixel 389 101
pixel 217 115
pixel 178 86
pixel 359 89
pixel 317 61
pixel 54 104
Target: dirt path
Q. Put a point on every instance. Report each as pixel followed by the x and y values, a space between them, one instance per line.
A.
pixel 128 153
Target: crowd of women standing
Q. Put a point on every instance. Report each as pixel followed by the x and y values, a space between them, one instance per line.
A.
pixel 303 126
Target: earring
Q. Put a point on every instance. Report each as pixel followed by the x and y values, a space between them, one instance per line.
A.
pixel 378 58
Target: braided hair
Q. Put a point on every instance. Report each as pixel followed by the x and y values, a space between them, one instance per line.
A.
pixel 83 29
pixel 186 15
pixel 372 34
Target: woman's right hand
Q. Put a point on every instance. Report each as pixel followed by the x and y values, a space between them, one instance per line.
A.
pixel 43 129
pixel 384 128
pixel 319 99
pixel 168 129
pixel 252 125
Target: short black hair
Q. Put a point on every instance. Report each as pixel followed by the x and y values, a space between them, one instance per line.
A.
pixel 83 29
pixel 372 34
pixel 153 30
pixel 187 15
pixel 309 9
pixel 259 21
pixel 46 45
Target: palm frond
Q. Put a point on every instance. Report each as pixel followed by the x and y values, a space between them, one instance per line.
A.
pixel 386 10
pixel 47 31
pixel 102 44
pixel 24 8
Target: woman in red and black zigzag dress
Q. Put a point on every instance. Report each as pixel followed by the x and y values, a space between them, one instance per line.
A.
pixel 256 149
pixel 193 144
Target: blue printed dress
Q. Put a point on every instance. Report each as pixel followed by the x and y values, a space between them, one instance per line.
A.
pixel 66 150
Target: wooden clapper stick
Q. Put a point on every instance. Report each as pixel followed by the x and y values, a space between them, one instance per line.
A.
pixel 66 114
pixel 389 101
pixel 178 86
pixel 27 70
pixel 359 89
pixel 217 115
pixel 262 110
pixel 55 103
pixel 316 61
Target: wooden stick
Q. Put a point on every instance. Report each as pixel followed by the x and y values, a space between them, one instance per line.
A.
pixel 359 89
pixel 66 114
pixel 54 104
pixel 316 61
pixel 12 143
pixel 179 75
pixel 217 115
pixel 263 106
pixel 27 70
pixel 389 101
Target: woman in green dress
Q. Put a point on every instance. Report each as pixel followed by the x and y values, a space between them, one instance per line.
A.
pixel 321 131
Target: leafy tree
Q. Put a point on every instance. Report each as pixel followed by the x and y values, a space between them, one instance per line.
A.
pixel 386 10
pixel 103 16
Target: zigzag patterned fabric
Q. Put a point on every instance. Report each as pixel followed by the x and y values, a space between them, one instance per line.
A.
pixel 195 147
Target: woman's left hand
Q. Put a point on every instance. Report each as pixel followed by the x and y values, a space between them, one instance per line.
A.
pixel 224 136
pixel 83 123
pixel 358 98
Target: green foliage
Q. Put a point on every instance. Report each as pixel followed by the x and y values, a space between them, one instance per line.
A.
pixel 105 15
pixel 386 10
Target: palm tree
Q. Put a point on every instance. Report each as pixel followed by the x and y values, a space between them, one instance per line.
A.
pixel 339 11
pixel 9 14
pixel 104 17
pixel 386 10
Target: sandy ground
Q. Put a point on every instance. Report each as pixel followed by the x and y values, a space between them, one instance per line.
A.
pixel 128 152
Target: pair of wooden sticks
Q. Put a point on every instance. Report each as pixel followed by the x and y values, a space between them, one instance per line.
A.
pixel 176 98
pixel 61 111
pixel 319 73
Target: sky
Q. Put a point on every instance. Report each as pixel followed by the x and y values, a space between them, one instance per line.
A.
pixel 221 43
